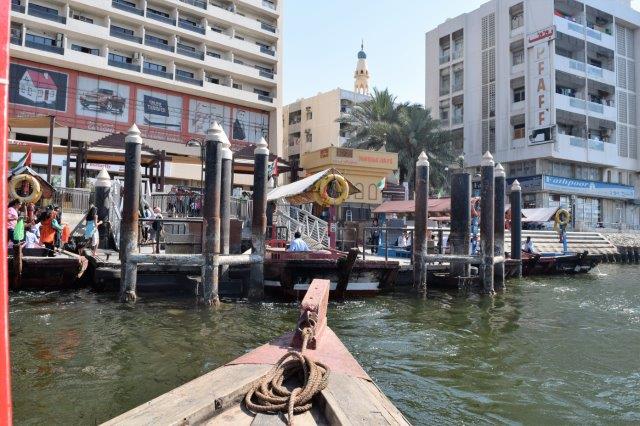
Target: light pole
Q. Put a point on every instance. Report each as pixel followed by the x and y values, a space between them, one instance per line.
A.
pixel 197 142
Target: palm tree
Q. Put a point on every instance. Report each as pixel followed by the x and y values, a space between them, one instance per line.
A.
pixel 404 128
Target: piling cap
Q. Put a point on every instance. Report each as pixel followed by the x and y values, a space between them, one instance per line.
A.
pixel 226 147
pixel 261 148
pixel 515 186
pixel 499 171
pixel 103 180
pixel 133 135
pixel 215 133
pixel 487 160
pixel 423 160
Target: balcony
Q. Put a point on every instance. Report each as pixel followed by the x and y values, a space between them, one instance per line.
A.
pixel 265 98
pixel 268 27
pixel 571 104
pixel 191 52
pixel 152 14
pixel 600 38
pixel 266 74
pixel 45 47
pixel 47 15
pixel 445 57
pixel 602 110
pixel 158 45
pixel 197 3
pixel 125 36
pixel 191 27
pixel 601 74
pixel 17 8
pixel 124 65
pixel 569 27
pixel 16 39
pixel 267 51
pixel 126 7
pixel 583 150
pixel 157 73
pixel 569 65
pixel 189 80
pixel 268 4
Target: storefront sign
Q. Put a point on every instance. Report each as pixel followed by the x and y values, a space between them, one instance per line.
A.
pixel 587 187
pixel 540 85
pixel 528 183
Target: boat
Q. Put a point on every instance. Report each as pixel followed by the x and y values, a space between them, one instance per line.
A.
pixel 32 269
pixel 343 393
pixel 549 263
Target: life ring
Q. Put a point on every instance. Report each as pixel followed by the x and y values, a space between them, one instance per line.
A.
pixel 322 195
pixel 36 191
pixel 559 220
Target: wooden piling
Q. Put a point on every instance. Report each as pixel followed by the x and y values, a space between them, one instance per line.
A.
pixel 130 214
pixel 103 188
pixel 259 221
pixel 636 254
pixel 487 237
pixel 226 182
pixel 459 235
pixel 498 229
pixel 516 225
pixel 421 211
pixel 211 213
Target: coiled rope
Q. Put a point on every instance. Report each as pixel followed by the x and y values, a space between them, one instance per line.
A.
pixel 270 396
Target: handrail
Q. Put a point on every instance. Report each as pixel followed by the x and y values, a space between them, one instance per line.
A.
pixel 313 229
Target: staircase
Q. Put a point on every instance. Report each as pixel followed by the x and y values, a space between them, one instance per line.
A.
pixel 315 231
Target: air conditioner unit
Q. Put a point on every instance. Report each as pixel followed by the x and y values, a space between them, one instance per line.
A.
pixel 136 57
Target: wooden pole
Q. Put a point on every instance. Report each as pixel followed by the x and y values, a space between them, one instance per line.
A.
pixel 487 194
pixel 79 165
pixel 259 220
pixel 68 175
pixel 130 214
pixel 516 225
pixel 498 228
pixel 52 124
pixel 421 212
pixel 459 236
pixel 225 200
pixel 211 213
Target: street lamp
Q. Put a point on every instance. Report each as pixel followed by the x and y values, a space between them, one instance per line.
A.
pixel 193 143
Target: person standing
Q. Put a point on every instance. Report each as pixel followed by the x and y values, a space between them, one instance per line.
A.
pixel 146 226
pixel 12 218
pixel 298 244
pixel 48 231
pixel 30 238
pixel 156 226
pixel 91 234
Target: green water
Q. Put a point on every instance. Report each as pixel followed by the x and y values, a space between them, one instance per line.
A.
pixel 550 350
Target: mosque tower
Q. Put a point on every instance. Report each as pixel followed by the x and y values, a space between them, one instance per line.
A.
pixel 361 76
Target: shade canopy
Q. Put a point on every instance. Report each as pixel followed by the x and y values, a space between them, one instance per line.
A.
pixel 37 122
pixel 541 214
pixel 434 205
pixel 301 192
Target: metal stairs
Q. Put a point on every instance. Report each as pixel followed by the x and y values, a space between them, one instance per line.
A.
pixel 314 231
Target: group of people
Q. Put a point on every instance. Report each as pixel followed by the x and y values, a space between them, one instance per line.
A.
pixel 151 230
pixel 36 227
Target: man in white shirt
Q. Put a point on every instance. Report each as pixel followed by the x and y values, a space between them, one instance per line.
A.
pixel 298 244
pixel 30 238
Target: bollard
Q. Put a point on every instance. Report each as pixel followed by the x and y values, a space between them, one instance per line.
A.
pixel 516 225
pixel 130 214
pixel 259 220
pixel 498 228
pixel 226 182
pixel 421 211
pixel 460 221
pixel 487 194
pixel 103 189
pixel 211 213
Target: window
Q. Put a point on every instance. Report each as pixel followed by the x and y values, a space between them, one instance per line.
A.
pixel 517 20
pixel 82 18
pixel 183 73
pixel 518 131
pixel 41 40
pixel 121 30
pixel 155 39
pixel 158 12
pixel 119 58
pixel 309 113
pixel 188 22
pixel 608 175
pixel 308 136
pixel 620 178
pixel 84 49
pixel 517 57
pixel 261 92
pixel 43 9
pixel 126 3
pixel 518 94
pixel 155 67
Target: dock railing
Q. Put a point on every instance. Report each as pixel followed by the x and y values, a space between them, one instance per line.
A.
pixel 73 200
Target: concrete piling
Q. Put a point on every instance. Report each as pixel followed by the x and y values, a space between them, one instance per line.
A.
pixel 487 194
pixel 211 213
pixel 130 214
pixel 498 229
pixel 459 236
pixel 421 211
pixel 259 220
pixel 516 225
pixel 103 189
pixel 226 183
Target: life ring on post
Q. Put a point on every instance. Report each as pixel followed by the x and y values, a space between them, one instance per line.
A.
pixel 562 218
pixel 36 191
pixel 322 195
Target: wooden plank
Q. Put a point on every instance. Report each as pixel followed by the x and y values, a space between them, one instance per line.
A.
pixel 194 401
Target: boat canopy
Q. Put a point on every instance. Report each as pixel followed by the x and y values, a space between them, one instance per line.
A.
pixel 301 191
pixel 434 205
pixel 541 214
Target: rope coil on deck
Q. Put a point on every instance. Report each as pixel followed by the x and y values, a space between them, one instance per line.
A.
pixel 270 396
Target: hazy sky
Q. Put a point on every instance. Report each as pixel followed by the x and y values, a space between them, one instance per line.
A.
pixel 322 38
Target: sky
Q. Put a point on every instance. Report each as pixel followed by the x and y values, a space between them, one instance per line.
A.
pixel 322 39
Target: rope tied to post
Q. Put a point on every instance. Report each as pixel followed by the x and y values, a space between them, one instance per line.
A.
pixel 269 395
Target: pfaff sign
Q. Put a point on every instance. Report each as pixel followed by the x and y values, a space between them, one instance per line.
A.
pixel 538 44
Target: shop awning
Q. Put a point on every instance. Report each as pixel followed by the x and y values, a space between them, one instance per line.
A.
pixel 38 122
pixel 301 192
pixel 434 206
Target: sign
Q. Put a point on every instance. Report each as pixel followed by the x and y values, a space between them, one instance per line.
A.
pixel 540 85
pixel 527 183
pixel 102 99
pixel 37 87
pixel 587 187
pixel 158 110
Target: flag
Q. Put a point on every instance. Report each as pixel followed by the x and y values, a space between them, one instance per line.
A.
pixel 25 160
pixel 272 169
pixel 381 184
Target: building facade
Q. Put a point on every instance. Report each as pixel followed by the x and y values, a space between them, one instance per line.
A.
pixel 171 67
pixel 549 87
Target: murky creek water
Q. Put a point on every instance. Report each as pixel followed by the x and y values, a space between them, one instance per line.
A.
pixel 550 350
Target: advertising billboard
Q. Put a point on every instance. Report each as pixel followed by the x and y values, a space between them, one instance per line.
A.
pixel 158 109
pixel 102 99
pixel 249 126
pixel 37 87
pixel 202 114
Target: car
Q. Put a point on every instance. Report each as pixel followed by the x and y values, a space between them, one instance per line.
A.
pixel 103 100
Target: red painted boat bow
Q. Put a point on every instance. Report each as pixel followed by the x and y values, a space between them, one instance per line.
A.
pixel 5 377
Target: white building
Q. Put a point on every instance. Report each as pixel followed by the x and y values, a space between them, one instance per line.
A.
pixel 549 87
pixel 170 66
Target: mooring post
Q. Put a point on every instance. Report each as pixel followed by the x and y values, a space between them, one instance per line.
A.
pixel 130 214
pixel 103 188
pixel 211 213
pixel 499 222
pixel 259 220
pixel 226 181
pixel 487 215
pixel 421 210
pixel 459 235
pixel 516 225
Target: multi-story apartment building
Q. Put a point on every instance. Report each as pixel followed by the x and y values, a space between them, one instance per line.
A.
pixel 170 66
pixel 311 123
pixel 549 87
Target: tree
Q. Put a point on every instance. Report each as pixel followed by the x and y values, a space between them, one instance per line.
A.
pixel 404 128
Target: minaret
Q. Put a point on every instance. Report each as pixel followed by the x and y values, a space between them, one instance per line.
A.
pixel 361 76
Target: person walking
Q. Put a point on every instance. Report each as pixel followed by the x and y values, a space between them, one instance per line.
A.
pixel 91 234
pixel 48 231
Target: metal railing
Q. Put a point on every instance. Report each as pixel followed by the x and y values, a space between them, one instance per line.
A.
pixel 72 200
pixel 124 65
pixel 47 15
pixel 158 45
pixel 157 73
pixel 376 239
pixel 197 3
pixel 265 98
pixel 45 47
pixel 267 51
pixel 125 36
pixel 312 228
pixel 127 8
pixel 191 27
pixel 266 74
pixel 190 205
pixel 268 27
pixel 152 14
pixel 268 4
pixel 189 80
pixel 186 51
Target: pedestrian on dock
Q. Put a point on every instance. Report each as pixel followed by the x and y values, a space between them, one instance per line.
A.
pixel 529 247
pixel 58 239
pixel 375 236
pixel 91 234
pixel 146 226
pixel 12 217
pixel 48 231
pixel 298 244
pixel 156 226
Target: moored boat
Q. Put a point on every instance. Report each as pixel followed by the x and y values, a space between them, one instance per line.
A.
pixel 33 269
pixel 557 263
